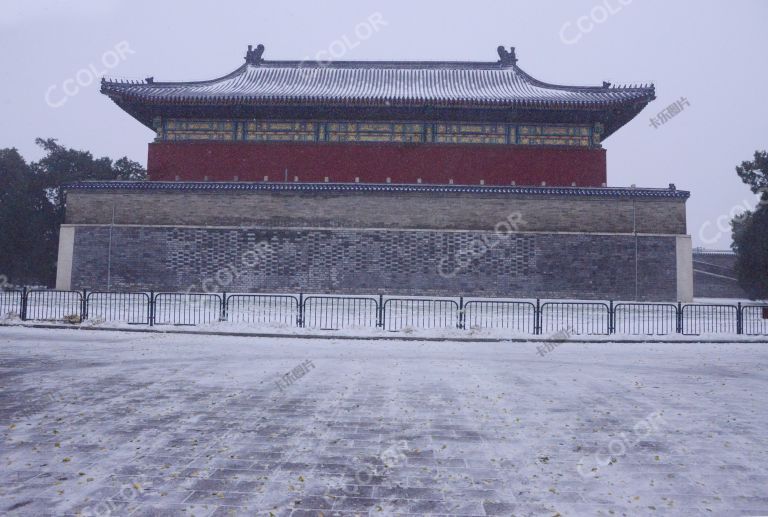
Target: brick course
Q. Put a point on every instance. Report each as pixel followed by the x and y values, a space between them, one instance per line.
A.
pixel 416 210
pixel 375 261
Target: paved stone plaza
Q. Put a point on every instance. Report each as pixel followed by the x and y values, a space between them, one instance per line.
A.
pixel 108 423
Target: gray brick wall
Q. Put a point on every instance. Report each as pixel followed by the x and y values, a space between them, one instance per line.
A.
pixel 547 265
pixel 463 211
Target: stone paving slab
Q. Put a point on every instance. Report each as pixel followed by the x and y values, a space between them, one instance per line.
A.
pixel 115 423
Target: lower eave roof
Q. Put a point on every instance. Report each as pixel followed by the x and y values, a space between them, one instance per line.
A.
pixel 613 192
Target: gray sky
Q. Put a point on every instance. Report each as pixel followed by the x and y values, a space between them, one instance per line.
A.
pixel 712 53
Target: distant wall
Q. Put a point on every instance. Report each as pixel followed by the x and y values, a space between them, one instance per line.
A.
pixel 714 276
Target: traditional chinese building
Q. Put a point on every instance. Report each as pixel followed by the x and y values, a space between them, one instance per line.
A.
pixel 378 176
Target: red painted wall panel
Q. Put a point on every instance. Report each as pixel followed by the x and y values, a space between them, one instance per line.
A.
pixel 374 163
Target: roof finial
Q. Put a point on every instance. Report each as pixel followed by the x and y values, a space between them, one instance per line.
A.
pixel 507 57
pixel 253 56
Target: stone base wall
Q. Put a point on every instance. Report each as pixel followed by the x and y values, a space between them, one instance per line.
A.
pixel 413 207
pixel 370 261
pixel 606 243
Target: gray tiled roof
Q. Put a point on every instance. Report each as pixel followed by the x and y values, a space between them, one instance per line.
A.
pixel 380 83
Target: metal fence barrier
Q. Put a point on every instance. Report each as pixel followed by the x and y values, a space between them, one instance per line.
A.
pixel 395 314
pixel 518 317
pixel 280 310
pixel 187 308
pixel 10 303
pixel 338 312
pixel 650 319
pixel 131 308
pixel 710 319
pixel 53 305
pixel 588 318
pixel 754 320
pixel 412 313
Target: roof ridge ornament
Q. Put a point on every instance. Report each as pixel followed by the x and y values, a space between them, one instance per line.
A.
pixel 253 56
pixel 506 57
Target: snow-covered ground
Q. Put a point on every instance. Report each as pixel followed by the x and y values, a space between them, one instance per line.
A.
pixel 110 423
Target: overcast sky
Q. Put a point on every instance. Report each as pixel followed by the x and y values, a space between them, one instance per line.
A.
pixel 712 54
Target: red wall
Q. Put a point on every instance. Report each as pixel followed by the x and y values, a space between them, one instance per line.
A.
pixel 374 163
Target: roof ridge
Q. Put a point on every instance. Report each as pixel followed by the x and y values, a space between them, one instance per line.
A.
pixel 106 81
pixel 606 86
pixel 507 62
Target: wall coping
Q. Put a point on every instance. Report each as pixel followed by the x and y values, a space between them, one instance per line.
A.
pixel 210 186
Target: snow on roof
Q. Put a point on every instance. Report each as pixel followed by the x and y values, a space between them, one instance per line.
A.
pixel 380 83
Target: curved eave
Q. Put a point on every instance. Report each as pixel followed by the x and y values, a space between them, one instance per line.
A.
pixel 612 117
pixel 471 90
pixel 244 100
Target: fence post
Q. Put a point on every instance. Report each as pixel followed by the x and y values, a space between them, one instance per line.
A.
pixel 223 312
pixel 611 318
pixel 151 309
pixel 679 317
pixel 537 318
pixel 380 315
pixel 300 317
pixel 739 319
pixel 84 306
pixel 23 309
pixel 383 316
pixel 461 312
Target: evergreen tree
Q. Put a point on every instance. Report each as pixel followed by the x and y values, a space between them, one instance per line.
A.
pixel 25 217
pixel 750 230
pixel 32 205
